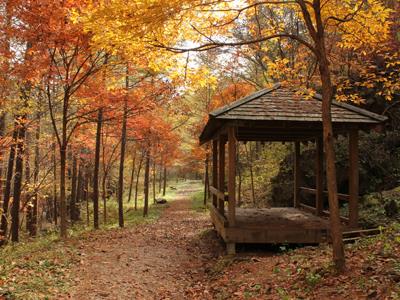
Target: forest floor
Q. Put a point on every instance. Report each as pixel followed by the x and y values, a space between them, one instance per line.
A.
pixel 160 260
pixel 177 255
pixel 180 257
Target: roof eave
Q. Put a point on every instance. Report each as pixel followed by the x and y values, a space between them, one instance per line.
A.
pixel 356 109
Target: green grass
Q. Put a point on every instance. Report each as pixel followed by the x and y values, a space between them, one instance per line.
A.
pixel 39 268
pixel 198 202
pixel 35 269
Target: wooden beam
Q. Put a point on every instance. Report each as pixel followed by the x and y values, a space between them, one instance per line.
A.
pixel 344 197
pixel 216 192
pixel 319 171
pixel 221 173
pixel 296 171
pixel 215 169
pixel 232 176
pixel 311 209
pixel 353 178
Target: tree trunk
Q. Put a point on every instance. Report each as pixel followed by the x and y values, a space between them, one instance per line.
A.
pixel 63 206
pixel 318 35
pixel 7 190
pixel 2 152
pixel 122 161
pixel 146 184
pixel 132 175
pixel 104 196
pixel 28 196
pixel 154 180
pixel 32 208
pixel 96 170
pixel 160 179
pixel 74 180
pixel 36 178
pixel 55 204
pixel 165 181
pixel 336 230
pixel 79 188
pixel 79 191
pixel 137 179
pixel 86 195
pixel 18 183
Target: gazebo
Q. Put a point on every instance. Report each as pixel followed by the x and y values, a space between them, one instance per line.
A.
pixel 280 114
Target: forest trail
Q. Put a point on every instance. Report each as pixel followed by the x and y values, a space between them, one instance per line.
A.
pixel 161 260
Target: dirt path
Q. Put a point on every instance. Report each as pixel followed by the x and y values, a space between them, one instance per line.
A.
pixel 154 261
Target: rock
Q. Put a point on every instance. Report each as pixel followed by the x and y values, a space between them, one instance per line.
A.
pixel 161 201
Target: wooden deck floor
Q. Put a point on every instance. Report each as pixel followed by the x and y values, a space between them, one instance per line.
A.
pixel 271 225
pixel 278 218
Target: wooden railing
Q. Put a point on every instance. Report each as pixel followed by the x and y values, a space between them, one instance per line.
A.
pixel 344 197
pixel 324 212
pixel 218 216
pixel 220 195
pixel 313 210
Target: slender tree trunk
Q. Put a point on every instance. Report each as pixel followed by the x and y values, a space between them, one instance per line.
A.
pixel 96 171
pixel 132 175
pixel 63 206
pixel 154 180
pixel 7 190
pixel 165 181
pixel 2 153
pixel 63 144
pixel 36 178
pixel 28 196
pixel 104 196
pixel 146 184
pixel 160 178
pixel 122 161
pixel 137 179
pixel 86 195
pixel 317 33
pixel 74 180
pixel 336 230
pixel 104 180
pixel 79 191
pixel 55 202
pixel 19 164
pixel 79 188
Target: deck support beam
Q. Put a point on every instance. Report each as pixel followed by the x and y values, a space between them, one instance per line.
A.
pixel 231 248
pixel 319 176
pixel 353 178
pixel 221 173
pixel 232 177
pixel 215 169
pixel 296 171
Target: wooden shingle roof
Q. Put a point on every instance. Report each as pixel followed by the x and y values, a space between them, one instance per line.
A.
pixel 282 104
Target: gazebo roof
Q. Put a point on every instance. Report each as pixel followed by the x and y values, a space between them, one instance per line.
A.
pixel 282 113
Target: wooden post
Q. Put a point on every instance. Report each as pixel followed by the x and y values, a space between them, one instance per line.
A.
pixel 232 176
pixel 215 169
pixel 353 178
pixel 221 174
pixel 319 171
pixel 297 174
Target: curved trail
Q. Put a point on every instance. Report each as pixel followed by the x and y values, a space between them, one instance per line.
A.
pixel 162 260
